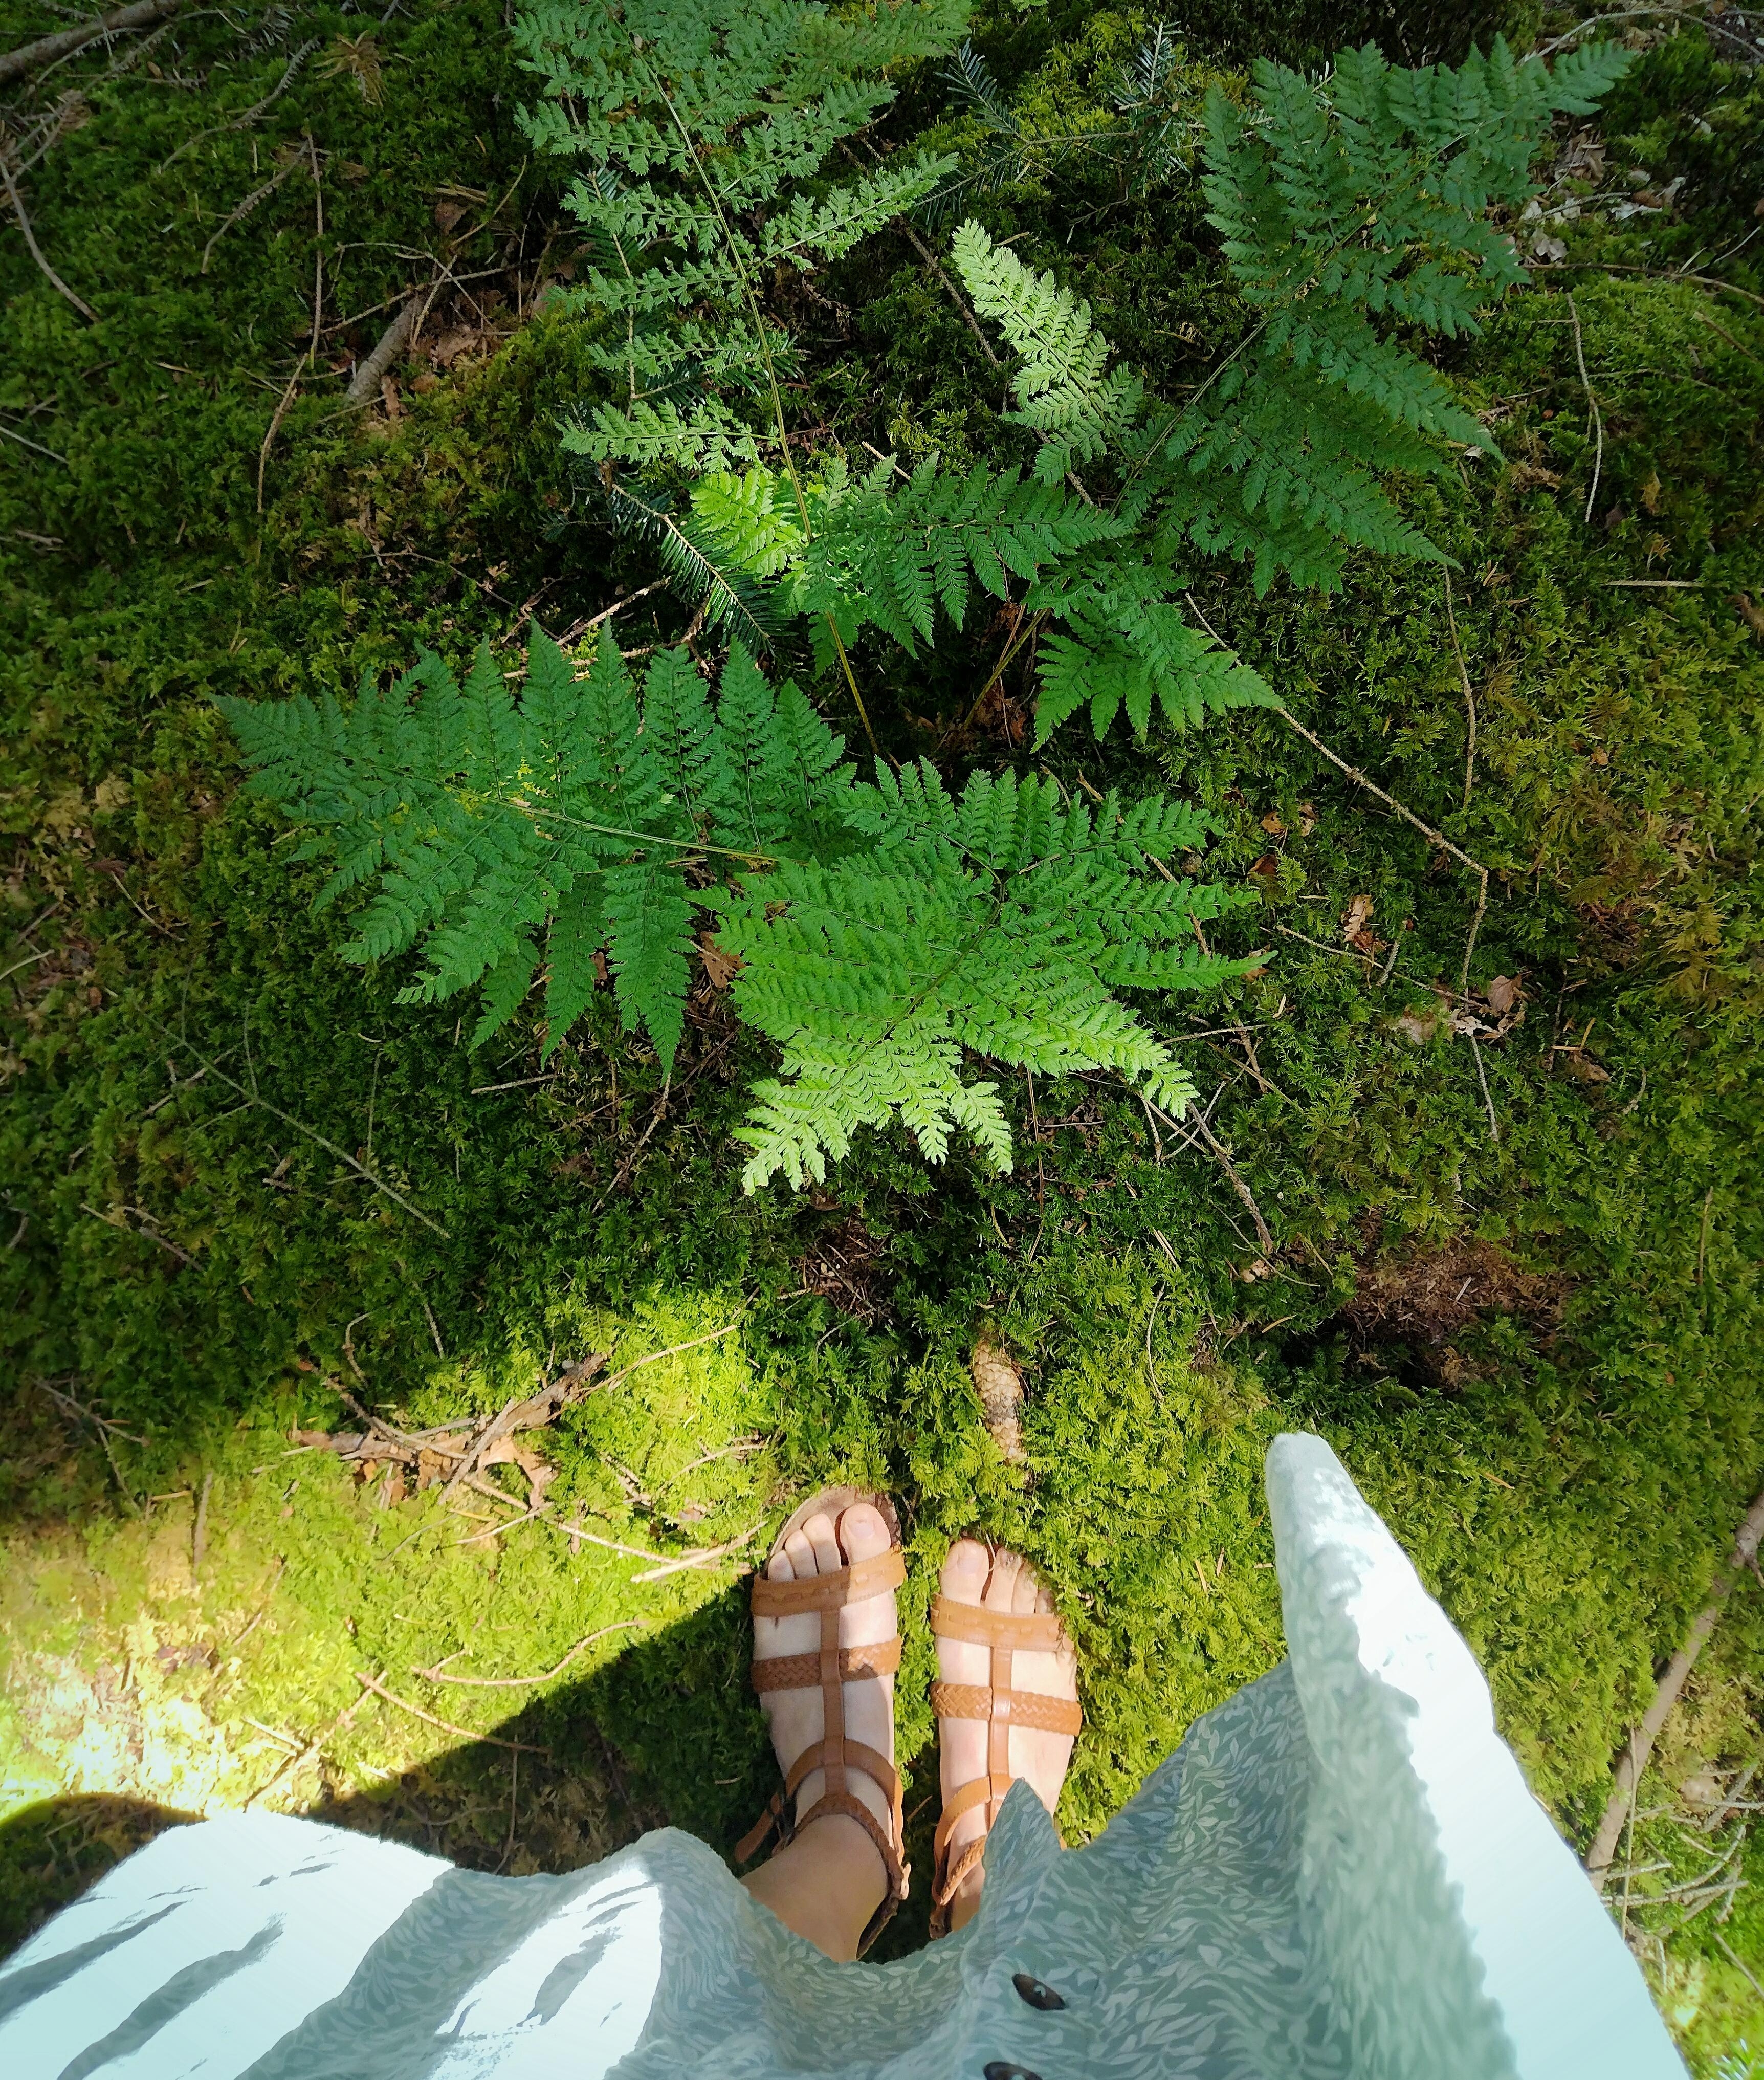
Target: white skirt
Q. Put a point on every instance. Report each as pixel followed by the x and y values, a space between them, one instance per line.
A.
pixel 1339 1875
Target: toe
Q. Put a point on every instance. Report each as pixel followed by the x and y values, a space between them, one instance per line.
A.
pixel 1001 1590
pixel 778 1567
pixel 801 1553
pixel 1028 1592
pixel 1044 1602
pixel 822 1537
pixel 863 1532
pixel 964 1575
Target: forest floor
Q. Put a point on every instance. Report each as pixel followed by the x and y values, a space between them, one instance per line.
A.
pixel 1509 1265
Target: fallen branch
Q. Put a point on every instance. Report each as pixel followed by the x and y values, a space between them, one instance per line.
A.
pixel 297 1762
pixel 1633 1759
pixel 1238 1184
pixel 706 1556
pixel 1592 406
pixel 28 57
pixel 251 114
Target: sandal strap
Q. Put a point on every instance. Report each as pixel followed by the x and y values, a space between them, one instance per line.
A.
pixel 849 1584
pixel 1005 1633
pixel 1032 1708
pixel 1027 1632
pixel 803 1672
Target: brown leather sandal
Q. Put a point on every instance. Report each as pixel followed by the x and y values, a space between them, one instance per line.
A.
pixel 1006 1632
pixel 828 1671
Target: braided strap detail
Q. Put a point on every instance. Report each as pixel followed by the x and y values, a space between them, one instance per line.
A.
pixel 1026 1707
pixel 803 1672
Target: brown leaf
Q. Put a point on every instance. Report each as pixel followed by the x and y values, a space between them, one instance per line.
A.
pixel 391 1491
pixel 1503 992
pixel 388 390
pixel 430 1467
pixel 1267 868
pixel 1751 615
pixel 448 214
pixel 1416 1027
pixel 1271 824
pixel 1307 819
pixel 320 1439
pixel 720 968
pixel 1356 924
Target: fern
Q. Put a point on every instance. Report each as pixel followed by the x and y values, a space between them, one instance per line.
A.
pixel 1362 195
pixel 885 931
pixel 705 129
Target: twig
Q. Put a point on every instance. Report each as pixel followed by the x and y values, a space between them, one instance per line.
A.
pixel 1592 406
pixel 310 357
pixel 526 1412
pixel 1469 698
pixel 297 1763
pixel 446 1725
pixel 622 1177
pixel 102 1428
pixel 1740 1968
pixel 522 1682
pixel 1409 816
pixel 300 1127
pixel 1238 1184
pixel 1481 1077
pixel 28 57
pixel 54 280
pixel 1633 1759
pixel 199 1537
pixel 364 384
pixel 703 1557
pixel 12 433
pixel 1703 1233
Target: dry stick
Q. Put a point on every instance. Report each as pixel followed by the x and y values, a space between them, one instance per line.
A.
pixel 1469 698
pixel 297 1762
pixel 28 57
pixel 704 1556
pixel 1481 1077
pixel 1592 405
pixel 54 280
pixel 522 1682
pixel 310 357
pixel 1409 816
pixel 1238 1184
pixel 199 1537
pixel 446 1725
pixel 103 1429
pixel 1633 1758
pixel 364 385
pixel 1733 1959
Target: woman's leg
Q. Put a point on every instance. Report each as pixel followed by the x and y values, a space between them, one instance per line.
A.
pixel 827 1883
pixel 1041 1757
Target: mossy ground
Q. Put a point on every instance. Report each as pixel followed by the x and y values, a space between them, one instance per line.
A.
pixel 1565 1443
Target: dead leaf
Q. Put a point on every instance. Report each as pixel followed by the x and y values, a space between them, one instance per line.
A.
pixel 391 1490
pixel 1416 1027
pixel 451 345
pixel 1356 924
pixel 1273 826
pixel 1267 870
pixel 1583 1066
pixel 319 1438
pixel 388 390
pixel 1751 615
pixel 720 968
pixel 430 1467
pixel 448 214
pixel 1307 819
pixel 1650 492
pixel 1502 993
pixel 1543 247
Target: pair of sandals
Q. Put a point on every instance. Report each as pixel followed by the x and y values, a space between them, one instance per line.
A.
pixel 1003 1632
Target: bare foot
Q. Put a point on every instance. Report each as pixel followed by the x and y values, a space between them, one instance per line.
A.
pixel 829 1882
pixel 1041 1758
